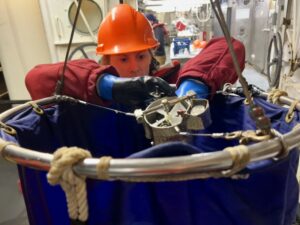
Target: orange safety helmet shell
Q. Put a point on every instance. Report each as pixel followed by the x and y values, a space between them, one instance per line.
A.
pixel 125 30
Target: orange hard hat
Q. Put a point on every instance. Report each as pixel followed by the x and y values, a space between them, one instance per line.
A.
pixel 125 30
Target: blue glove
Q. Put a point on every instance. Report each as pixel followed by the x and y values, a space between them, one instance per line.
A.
pixel 197 86
pixel 104 86
pixel 131 91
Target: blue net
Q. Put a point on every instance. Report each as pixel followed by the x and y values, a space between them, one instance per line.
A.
pixel 268 197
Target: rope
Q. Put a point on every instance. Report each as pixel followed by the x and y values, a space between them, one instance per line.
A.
pixel 3 145
pixel 240 157
pixel 36 108
pixel 74 186
pixel 297 126
pixel 274 97
pixel 285 150
pixel 275 94
pixel 290 114
pixel 7 129
pixel 103 166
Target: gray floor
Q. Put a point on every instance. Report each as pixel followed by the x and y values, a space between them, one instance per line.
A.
pixel 255 78
pixel 12 207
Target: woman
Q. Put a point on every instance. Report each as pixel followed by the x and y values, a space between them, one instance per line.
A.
pixel 128 73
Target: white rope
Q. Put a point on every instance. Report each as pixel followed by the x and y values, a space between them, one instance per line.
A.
pixel 74 186
pixel 275 94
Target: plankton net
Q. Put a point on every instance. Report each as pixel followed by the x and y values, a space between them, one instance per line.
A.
pixel 131 182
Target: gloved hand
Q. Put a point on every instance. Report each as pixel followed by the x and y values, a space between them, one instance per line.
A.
pixel 197 86
pixel 132 91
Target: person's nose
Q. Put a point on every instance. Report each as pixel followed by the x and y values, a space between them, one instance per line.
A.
pixel 133 65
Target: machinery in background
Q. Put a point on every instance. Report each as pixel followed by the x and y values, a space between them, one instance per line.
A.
pixel 250 22
pixel 289 80
pixel 58 17
pixel 274 60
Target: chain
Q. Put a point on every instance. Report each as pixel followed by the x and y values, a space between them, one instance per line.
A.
pixel 244 137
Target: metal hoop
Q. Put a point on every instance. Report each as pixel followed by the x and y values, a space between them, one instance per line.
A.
pixel 168 168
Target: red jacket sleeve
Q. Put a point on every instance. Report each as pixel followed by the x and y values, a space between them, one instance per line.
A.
pixel 169 72
pixel 214 65
pixel 79 79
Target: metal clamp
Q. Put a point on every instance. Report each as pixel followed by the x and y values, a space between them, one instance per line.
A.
pixel 247 136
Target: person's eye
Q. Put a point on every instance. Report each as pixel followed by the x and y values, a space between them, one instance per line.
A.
pixel 141 56
pixel 123 60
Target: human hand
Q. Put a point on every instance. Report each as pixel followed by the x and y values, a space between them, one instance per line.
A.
pixel 197 86
pixel 133 91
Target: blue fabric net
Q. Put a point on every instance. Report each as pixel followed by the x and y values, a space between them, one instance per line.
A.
pixel 268 197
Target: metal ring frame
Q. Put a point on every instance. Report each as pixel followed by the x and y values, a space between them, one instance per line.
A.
pixel 167 168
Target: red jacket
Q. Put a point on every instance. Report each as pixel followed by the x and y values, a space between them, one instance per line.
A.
pixel 213 66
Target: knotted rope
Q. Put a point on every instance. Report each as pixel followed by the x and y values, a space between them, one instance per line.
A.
pixel 275 94
pixel 240 158
pixel 74 186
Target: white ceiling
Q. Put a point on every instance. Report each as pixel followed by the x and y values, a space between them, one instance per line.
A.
pixel 173 5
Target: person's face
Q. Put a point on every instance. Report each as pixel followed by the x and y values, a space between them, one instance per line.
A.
pixel 132 64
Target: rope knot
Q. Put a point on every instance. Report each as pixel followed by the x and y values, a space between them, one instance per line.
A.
pixel 103 166
pixel 275 94
pixel 3 145
pixel 240 156
pixel 61 172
